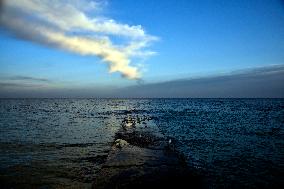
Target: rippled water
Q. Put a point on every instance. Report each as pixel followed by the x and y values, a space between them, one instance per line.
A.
pixel 63 142
pixel 237 142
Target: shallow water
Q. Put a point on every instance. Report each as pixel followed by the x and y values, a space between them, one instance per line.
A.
pixel 63 142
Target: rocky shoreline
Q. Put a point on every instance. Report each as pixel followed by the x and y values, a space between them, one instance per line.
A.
pixel 142 157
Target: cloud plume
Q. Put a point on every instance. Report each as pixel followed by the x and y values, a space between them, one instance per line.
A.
pixel 78 27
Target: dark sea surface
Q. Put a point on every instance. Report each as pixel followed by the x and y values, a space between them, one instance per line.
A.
pixel 53 143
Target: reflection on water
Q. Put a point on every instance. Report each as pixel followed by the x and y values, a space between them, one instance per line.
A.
pixel 63 142
pixel 56 142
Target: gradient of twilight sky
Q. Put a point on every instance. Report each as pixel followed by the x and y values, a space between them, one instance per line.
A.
pixel 180 39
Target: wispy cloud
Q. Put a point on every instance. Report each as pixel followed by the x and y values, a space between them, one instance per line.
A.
pixel 20 81
pixel 8 84
pixel 19 85
pixel 28 78
pixel 67 25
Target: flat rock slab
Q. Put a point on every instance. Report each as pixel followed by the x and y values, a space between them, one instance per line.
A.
pixel 147 162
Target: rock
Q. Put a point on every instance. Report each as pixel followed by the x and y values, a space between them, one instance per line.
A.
pixel 120 143
pixel 141 158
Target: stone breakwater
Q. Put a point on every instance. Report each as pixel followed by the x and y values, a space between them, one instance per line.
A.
pixel 142 157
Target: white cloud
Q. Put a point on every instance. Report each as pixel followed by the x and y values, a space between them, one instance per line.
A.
pixel 65 24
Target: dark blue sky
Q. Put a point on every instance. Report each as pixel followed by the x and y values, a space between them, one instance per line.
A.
pixel 155 41
pixel 200 37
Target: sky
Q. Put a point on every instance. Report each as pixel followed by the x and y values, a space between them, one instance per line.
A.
pixel 103 48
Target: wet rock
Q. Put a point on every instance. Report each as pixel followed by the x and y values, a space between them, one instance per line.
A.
pixel 120 143
pixel 142 158
pixel 138 138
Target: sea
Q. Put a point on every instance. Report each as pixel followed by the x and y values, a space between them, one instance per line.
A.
pixel 62 143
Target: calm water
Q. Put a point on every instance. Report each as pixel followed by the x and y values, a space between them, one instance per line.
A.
pixel 63 142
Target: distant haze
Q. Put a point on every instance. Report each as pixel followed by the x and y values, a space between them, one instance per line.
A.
pixel 265 82
pixel 258 83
